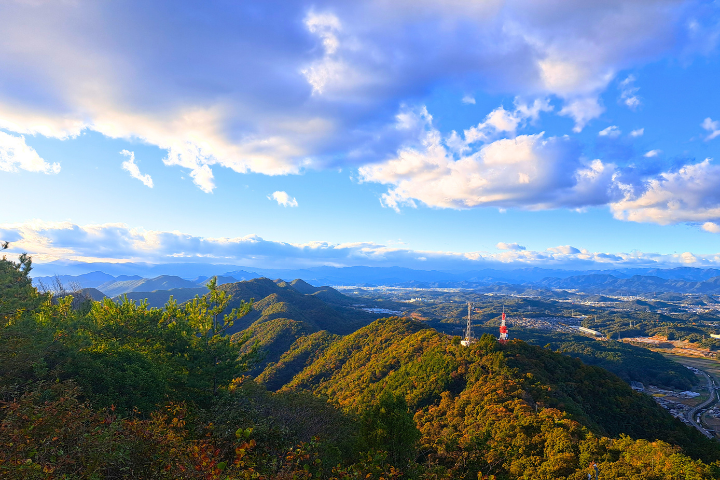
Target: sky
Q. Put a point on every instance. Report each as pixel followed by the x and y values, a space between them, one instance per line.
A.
pixel 429 134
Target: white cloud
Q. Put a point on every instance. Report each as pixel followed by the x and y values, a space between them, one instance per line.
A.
pixel 564 249
pixel 283 199
pixel 532 111
pixel 323 81
pixel 711 126
pixel 329 69
pixel 130 166
pixel 529 171
pixel 203 177
pixel 501 121
pixel 628 93
pixel 637 133
pixel 688 258
pixel 118 243
pixel 509 246
pixel 611 131
pixel 468 99
pixel 711 227
pixel 561 76
pixel 692 194
pixel 16 154
pixel 652 153
pixel 582 110
pixel 325 25
pixel 535 172
pixel 339 75
pixel 497 121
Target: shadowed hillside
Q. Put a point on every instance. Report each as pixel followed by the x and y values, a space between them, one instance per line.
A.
pixel 281 315
pixel 159 298
pixel 163 282
pixel 275 300
pixel 303 352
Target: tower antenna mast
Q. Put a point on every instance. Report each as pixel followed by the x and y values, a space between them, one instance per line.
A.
pixel 468 330
pixel 503 328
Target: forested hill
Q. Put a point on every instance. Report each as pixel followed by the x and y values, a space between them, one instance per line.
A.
pixel 482 395
pixel 629 362
pixel 284 312
pixel 322 309
pixel 114 389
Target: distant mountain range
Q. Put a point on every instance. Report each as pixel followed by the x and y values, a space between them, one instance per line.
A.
pixel 133 285
pixel 187 279
pixel 609 284
pixel 282 312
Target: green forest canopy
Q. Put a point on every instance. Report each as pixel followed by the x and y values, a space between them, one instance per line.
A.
pixel 119 390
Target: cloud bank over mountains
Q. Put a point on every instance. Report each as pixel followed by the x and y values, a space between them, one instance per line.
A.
pixel 118 243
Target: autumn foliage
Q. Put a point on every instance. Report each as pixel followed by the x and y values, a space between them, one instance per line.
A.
pixel 118 390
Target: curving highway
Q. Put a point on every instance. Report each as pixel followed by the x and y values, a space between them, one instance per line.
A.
pixel 691 415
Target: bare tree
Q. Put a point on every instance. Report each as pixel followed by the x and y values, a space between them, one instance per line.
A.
pixel 57 287
pixel 42 288
pixel 60 290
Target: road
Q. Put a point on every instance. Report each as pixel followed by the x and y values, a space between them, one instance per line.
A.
pixel 711 399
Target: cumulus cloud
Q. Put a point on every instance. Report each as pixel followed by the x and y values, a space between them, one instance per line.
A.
pixel 481 169
pixel 16 154
pixel 118 243
pixel 691 194
pixel 688 258
pixel 564 249
pixel 497 121
pixel 501 121
pixel 711 126
pixel 582 110
pixel 637 133
pixel 528 171
pixel 282 198
pixel 628 93
pixel 325 81
pixel 711 227
pixel 203 177
pixel 329 69
pixel 130 166
pixel 612 132
pixel 509 246
pixel 468 99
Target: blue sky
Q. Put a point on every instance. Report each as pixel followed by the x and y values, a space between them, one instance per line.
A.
pixel 446 135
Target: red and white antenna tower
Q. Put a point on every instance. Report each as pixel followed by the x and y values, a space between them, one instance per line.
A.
pixel 503 328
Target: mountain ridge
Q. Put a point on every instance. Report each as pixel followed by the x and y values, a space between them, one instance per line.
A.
pixel 609 282
pixel 438 377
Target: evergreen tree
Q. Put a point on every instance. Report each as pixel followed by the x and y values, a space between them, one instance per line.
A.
pixel 388 425
pixel 17 294
pixel 212 358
